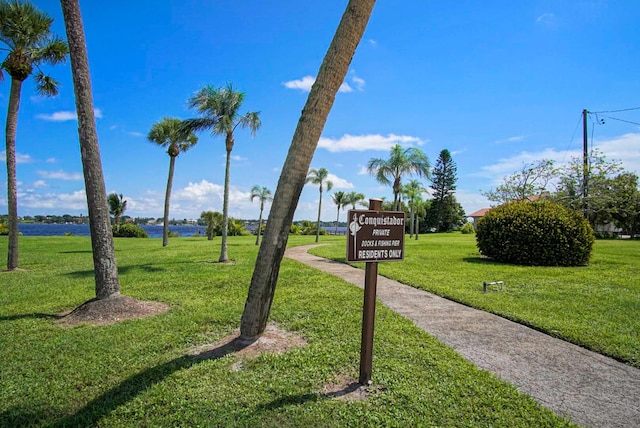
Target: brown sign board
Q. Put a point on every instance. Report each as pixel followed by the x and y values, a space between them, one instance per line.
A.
pixel 375 236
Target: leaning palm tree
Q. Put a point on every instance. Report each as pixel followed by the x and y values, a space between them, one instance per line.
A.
pixel 104 259
pixel 319 177
pixel 263 194
pixel 117 206
pixel 401 162
pixel 168 133
pixel 26 34
pixel 219 108
pixel 354 198
pixel 296 166
pixel 340 199
pixel 412 190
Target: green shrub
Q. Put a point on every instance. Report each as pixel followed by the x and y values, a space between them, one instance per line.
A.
pixel 4 230
pixel 467 229
pixel 541 233
pixel 129 230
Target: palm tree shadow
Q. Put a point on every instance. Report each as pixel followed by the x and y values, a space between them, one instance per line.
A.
pixel 36 315
pixel 121 270
pixel 110 400
pixel 481 260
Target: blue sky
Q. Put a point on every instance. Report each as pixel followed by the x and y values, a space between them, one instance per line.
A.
pixel 497 83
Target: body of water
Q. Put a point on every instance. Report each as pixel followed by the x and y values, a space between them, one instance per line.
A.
pixel 36 229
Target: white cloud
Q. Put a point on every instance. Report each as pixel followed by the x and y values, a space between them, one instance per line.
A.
pixel 372 42
pixel 303 84
pixel 307 82
pixel 623 148
pixel 363 170
pixel 60 175
pixel 136 134
pixel 359 82
pixel 339 183
pixel 361 143
pixel 515 139
pixel 54 202
pixel 20 158
pixel 40 184
pixel 51 160
pixel 63 116
pixel 548 19
pixel 237 158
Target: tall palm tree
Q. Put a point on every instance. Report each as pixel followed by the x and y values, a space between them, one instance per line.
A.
pixel 353 198
pixel 401 162
pixel 26 35
pixel 413 189
pixel 294 172
pixel 117 206
pixel 319 177
pixel 219 108
pixel 340 199
pixel 104 259
pixel 263 194
pixel 169 133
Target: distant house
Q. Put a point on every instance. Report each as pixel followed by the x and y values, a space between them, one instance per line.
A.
pixel 476 215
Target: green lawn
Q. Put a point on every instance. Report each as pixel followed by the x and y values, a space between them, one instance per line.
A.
pixel 595 306
pixel 139 372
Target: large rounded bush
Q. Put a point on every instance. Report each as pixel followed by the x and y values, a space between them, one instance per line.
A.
pixel 541 233
pixel 129 230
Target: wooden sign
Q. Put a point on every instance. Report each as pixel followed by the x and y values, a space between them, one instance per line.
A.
pixel 375 236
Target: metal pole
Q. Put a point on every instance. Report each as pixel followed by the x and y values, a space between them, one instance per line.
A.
pixel 585 157
pixel 369 311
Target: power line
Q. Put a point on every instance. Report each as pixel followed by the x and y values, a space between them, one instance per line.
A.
pixel 616 111
pixel 621 120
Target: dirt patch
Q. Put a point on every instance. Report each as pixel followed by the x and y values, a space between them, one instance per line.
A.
pixel 110 311
pixel 274 340
pixel 348 389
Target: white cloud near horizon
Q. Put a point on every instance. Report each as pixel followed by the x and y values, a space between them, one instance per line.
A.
pixel 65 115
pixel 623 148
pixel 360 143
pixel 60 175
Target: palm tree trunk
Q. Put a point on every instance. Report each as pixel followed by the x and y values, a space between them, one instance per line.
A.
pixel 104 260
pixel 294 172
pixel 411 224
pixel 417 227
pixel 259 223
pixel 337 221
pixel 318 222
pixel 167 197
pixel 225 211
pixel 12 186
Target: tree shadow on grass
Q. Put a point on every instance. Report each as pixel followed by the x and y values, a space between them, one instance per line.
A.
pixel 481 261
pixel 125 392
pixel 122 270
pixel 28 316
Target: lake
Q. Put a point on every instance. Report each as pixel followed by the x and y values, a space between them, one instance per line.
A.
pixel 37 229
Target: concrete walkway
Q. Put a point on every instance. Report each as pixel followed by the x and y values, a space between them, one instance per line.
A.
pixel 588 388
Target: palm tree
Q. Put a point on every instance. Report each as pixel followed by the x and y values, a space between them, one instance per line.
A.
pixel 168 133
pixel 296 166
pixel 340 199
pixel 214 223
pixel 353 198
pixel 117 206
pixel 413 189
pixel 26 33
pixel 263 194
pixel 319 177
pixel 220 110
pixel 104 259
pixel 401 162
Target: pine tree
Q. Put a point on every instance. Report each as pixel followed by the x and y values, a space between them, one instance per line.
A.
pixel 445 209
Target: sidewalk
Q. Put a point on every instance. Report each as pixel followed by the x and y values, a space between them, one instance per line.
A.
pixel 588 388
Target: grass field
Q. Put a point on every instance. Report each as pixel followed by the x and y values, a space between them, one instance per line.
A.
pixel 595 306
pixel 140 373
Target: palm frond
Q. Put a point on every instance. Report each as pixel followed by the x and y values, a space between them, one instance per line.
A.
pixel 53 52
pixel 198 124
pixel 46 85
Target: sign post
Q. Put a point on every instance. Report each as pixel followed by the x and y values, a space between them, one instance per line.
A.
pixel 373 236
